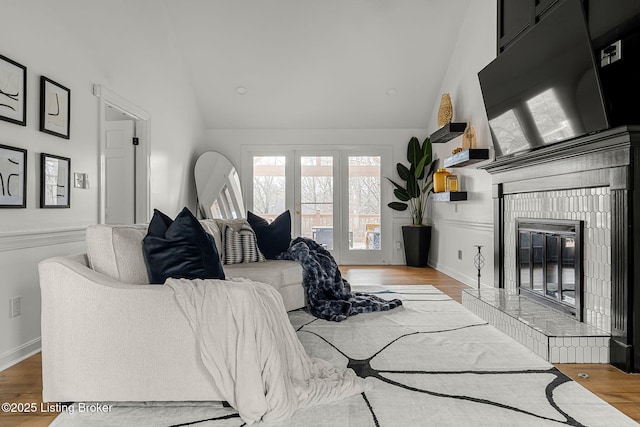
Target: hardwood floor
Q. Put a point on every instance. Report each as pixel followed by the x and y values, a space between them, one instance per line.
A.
pixel 22 383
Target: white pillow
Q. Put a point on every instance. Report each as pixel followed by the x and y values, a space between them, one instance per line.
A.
pixel 116 251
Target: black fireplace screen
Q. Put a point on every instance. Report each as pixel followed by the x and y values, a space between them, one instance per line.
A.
pixel 549 262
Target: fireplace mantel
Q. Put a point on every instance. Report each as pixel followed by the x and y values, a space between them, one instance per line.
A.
pixel 608 159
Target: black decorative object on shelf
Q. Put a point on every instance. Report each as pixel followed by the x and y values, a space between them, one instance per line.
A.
pixel 447 132
pixel 467 157
pixel 478 261
pixel 450 196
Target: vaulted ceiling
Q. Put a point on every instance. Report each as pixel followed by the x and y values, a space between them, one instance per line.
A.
pixel 316 64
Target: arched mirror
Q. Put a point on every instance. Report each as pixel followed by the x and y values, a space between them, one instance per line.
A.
pixel 218 187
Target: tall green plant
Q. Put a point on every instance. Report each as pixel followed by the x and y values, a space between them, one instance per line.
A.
pixel 418 180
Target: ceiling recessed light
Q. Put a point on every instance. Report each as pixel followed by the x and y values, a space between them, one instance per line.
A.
pixel 392 92
pixel 241 90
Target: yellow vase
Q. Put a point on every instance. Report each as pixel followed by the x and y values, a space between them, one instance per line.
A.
pixel 438 180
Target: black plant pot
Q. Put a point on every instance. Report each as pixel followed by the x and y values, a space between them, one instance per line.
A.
pixel 417 240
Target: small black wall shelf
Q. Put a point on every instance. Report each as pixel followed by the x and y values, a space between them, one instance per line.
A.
pixel 448 132
pixel 450 196
pixel 467 157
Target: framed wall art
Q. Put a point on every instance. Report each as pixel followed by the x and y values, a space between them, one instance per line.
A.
pixel 13 177
pixel 13 91
pixel 55 108
pixel 55 181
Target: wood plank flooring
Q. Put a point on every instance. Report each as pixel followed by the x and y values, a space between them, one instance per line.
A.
pixel 22 383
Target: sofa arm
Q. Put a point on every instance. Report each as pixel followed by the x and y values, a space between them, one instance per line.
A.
pixel 107 340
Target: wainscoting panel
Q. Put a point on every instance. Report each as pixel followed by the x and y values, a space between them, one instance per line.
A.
pixel 452 239
pixel 21 253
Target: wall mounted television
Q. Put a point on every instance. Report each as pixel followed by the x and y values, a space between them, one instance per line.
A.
pixel 544 88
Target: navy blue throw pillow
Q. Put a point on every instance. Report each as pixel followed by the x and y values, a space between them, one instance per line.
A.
pixel 180 249
pixel 273 238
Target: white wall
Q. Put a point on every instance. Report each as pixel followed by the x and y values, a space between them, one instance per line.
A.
pixel 457 226
pixel 123 46
pixel 460 226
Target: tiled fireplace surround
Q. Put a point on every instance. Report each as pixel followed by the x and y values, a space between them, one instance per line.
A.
pixel 590 179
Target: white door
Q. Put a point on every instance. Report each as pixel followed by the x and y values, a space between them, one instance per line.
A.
pixel 365 236
pixel 119 153
pixel 317 213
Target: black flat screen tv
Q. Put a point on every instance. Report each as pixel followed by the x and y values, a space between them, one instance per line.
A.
pixel 544 88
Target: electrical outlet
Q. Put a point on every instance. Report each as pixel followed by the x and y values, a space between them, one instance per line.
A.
pixel 16 306
pixel 398 245
pixel 460 254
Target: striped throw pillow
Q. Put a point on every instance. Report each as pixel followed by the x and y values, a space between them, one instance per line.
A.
pixel 240 245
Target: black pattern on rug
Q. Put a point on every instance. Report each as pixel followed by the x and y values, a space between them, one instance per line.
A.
pixel 362 368
pixel 328 294
pixel 223 417
pixel 432 362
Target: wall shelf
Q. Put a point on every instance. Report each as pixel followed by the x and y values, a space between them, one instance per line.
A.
pixel 448 132
pixel 452 196
pixel 467 157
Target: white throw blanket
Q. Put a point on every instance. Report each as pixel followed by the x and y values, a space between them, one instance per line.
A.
pixel 253 353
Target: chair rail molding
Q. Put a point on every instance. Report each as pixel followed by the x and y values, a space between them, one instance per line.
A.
pixel 37 238
pixel 486 227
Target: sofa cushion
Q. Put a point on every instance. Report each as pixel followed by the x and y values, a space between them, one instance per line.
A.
pixel 240 246
pixel 276 273
pixel 180 248
pixel 116 252
pixel 273 238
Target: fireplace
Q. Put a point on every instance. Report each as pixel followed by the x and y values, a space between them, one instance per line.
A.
pixel 593 179
pixel 549 263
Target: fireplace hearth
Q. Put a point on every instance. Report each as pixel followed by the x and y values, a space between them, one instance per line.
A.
pixel 594 182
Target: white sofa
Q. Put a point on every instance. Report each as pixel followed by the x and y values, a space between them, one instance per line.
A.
pixel 108 335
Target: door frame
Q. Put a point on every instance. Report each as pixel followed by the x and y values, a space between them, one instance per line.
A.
pixel 143 152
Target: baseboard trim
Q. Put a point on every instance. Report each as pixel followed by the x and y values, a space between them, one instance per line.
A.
pixel 33 239
pixel 18 354
pixel 467 280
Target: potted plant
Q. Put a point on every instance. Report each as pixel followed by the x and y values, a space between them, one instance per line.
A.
pixel 413 195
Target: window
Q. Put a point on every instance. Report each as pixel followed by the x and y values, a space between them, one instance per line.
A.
pixel 335 195
pixel 316 199
pixel 269 184
pixel 364 202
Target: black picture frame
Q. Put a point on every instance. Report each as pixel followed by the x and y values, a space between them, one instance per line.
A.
pixel 55 108
pixel 13 177
pixel 55 181
pixel 13 91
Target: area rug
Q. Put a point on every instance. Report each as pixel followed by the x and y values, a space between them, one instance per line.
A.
pixel 433 363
